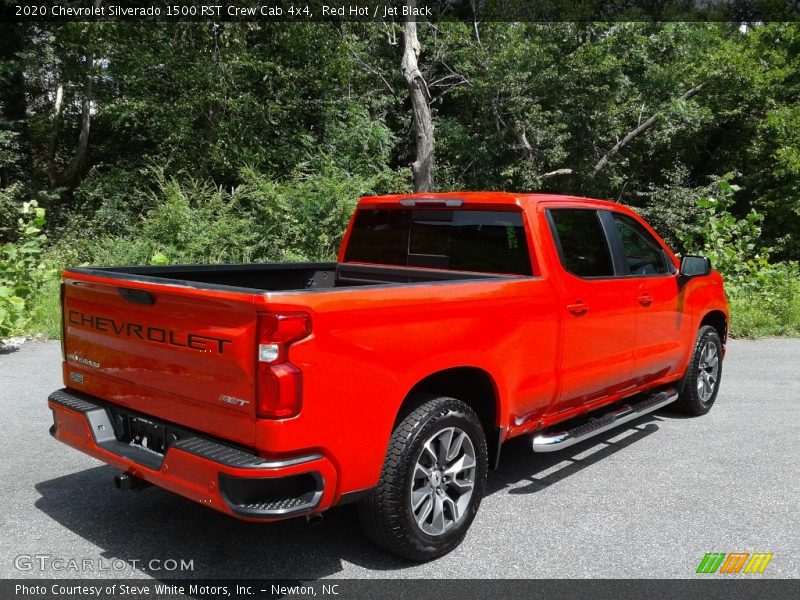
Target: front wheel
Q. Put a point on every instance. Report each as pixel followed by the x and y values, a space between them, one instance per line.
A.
pixel 432 481
pixel 704 374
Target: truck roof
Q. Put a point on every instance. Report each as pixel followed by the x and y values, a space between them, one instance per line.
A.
pixel 483 198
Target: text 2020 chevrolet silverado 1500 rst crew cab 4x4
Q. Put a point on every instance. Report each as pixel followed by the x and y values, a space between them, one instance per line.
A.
pixel 450 324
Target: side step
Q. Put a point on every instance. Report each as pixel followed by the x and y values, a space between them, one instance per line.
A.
pixel 551 441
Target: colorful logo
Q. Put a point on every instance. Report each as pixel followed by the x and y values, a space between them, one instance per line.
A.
pixel 736 562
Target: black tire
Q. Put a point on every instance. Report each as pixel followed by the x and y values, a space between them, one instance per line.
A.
pixel 693 400
pixel 386 514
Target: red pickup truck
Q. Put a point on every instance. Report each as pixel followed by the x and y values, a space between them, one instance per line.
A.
pixel 449 324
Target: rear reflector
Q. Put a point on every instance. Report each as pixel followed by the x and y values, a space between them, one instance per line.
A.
pixel 280 391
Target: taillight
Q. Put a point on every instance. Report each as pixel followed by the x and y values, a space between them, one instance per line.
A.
pixel 280 383
pixel 63 319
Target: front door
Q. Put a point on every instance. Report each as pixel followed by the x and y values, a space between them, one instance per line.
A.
pixel 661 325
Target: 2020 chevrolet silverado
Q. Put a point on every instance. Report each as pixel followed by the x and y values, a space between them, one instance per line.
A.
pixel 449 324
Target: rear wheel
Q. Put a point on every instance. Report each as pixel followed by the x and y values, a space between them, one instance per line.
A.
pixel 704 374
pixel 432 481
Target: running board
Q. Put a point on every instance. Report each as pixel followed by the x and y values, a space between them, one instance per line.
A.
pixel 551 441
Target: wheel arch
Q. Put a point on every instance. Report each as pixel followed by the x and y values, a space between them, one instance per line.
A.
pixel 719 321
pixel 473 386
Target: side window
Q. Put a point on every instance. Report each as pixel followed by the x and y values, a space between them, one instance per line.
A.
pixel 643 254
pixel 581 242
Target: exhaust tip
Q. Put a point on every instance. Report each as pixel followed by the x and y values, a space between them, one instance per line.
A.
pixel 314 519
pixel 126 481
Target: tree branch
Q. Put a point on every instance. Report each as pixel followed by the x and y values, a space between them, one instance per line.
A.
pixel 556 173
pixel 636 132
pixel 371 69
pixel 522 138
pixel 475 23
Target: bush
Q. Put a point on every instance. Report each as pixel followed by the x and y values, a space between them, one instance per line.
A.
pixel 672 206
pixel 764 295
pixel 304 218
pixel 116 198
pixel 22 271
pixel 260 220
pixel 10 201
pixel 44 310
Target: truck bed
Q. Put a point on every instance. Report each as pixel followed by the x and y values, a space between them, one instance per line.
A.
pixel 178 343
pixel 283 277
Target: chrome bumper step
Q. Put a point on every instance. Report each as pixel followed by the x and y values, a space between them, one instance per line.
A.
pixel 552 441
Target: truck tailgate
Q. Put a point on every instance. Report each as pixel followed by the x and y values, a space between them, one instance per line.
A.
pixel 180 354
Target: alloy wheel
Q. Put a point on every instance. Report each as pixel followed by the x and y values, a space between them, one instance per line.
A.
pixel 443 481
pixel 708 371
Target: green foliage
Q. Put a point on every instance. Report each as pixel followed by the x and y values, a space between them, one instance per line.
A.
pixel 261 220
pixel 21 270
pixel 113 198
pixel 9 146
pixel 44 309
pixel 9 211
pixel 250 141
pixel 753 318
pixel 765 295
pixel 671 207
pixel 731 243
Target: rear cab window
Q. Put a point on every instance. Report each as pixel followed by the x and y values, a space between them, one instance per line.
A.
pixel 483 241
pixel 581 241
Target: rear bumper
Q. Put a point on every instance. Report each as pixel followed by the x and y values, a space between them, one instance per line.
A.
pixel 223 477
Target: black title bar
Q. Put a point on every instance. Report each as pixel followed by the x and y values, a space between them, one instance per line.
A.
pixel 424 10
pixel 740 588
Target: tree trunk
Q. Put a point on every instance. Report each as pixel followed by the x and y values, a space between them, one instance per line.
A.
pixel 57 179
pixel 78 158
pixel 522 139
pixel 55 129
pixel 422 167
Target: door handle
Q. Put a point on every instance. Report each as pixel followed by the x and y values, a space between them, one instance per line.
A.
pixel 645 299
pixel 578 309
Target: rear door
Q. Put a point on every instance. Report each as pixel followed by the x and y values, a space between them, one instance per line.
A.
pixel 599 309
pixel 177 353
pixel 661 325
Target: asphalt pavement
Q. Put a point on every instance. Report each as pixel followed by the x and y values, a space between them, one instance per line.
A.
pixel 646 500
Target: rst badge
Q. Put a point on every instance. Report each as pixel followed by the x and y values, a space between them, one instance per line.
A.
pixel 232 400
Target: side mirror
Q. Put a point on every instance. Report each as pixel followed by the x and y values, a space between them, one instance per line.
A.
pixel 693 266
